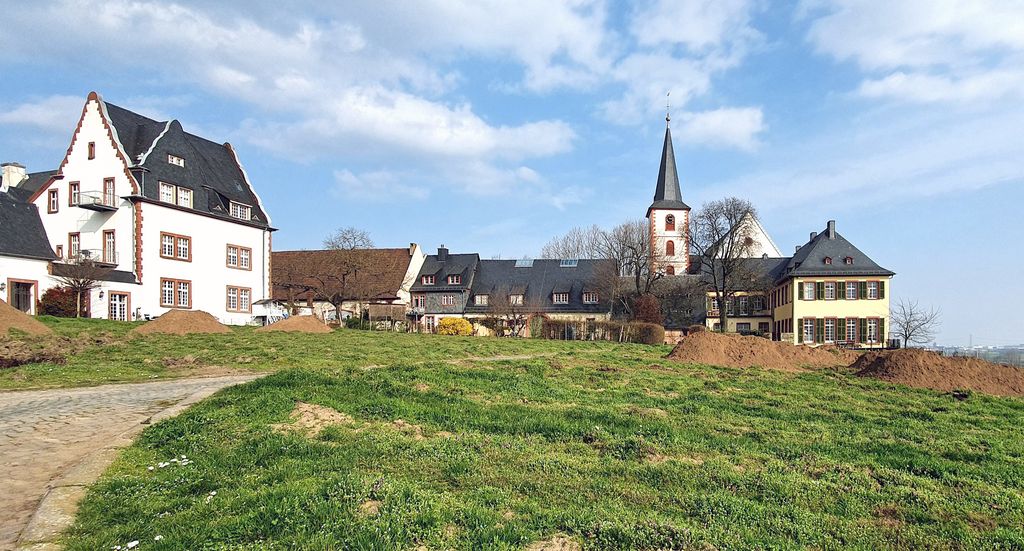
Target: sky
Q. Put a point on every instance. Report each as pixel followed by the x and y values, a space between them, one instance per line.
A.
pixel 491 126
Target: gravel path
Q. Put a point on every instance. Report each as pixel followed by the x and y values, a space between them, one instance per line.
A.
pixel 46 433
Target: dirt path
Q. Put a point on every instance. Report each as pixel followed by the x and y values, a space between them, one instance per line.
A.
pixel 55 442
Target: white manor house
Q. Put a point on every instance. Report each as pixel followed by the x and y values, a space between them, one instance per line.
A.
pixel 171 217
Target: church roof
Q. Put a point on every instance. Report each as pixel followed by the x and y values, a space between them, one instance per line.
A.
pixel 667 194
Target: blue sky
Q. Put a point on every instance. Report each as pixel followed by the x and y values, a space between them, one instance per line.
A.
pixel 492 126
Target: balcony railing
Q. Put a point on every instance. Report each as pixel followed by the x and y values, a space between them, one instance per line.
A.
pixel 95 256
pixel 95 200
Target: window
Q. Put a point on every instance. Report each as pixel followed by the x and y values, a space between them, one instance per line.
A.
pixel 872 290
pixel 872 330
pixel 560 298
pixel 184 197
pixel 830 330
pixel 74 193
pixel 447 300
pixel 743 327
pixel 238 299
pixel 428 280
pixel 744 303
pixel 670 248
pixel 92 150
pixel 670 223
pixel 109 247
pixel 240 211
pixel 74 245
pixel 828 260
pixel 118 306
pixel 53 201
pixel 569 263
pixel 480 300
pixel 175 293
pixel 808 329
pixel 851 329
pixel 848 260
pixel 239 257
pixel 851 290
pixel 515 300
pixel 417 301
pixel 430 323
pixel 60 251
pixel 175 247
pixel 809 291
pixel 758 303
pixel 830 290
pixel 166 193
pixel 175 160
pixel 454 280
pixel 763 327
pixel 109 197
pixel 590 297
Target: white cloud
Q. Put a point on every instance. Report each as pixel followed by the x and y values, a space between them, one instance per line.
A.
pixel 727 127
pixel 925 50
pixel 56 114
pixel 697 24
pixel 381 186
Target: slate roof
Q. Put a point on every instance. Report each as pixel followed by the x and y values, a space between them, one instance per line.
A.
pixel 21 229
pixel 666 193
pixel 388 278
pixel 538 282
pixel 36 180
pixel 115 276
pixel 460 264
pixel 809 260
pixel 211 170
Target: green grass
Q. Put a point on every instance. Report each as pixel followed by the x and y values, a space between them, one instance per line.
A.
pixel 608 443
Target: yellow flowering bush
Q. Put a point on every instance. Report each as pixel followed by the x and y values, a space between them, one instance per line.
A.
pixel 454 326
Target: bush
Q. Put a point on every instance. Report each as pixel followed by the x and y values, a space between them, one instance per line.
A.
pixel 696 328
pixel 58 301
pixel 646 333
pixel 647 309
pixel 454 326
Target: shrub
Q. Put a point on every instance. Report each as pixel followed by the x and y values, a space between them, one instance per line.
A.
pixel 696 328
pixel 647 309
pixel 454 326
pixel 58 301
pixel 648 333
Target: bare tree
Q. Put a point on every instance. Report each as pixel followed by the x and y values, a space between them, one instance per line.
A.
pixel 913 323
pixel 722 243
pixel 348 238
pixel 81 276
pixel 576 243
pixel 507 315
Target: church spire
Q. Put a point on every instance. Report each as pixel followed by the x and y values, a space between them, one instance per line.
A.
pixel 667 194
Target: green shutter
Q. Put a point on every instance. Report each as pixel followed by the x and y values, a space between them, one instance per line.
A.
pixel 800 290
pixel 862 332
pixel 881 289
pixel 881 331
pixel 800 330
pixel 841 329
pixel 819 290
pixel 819 330
pixel 840 290
pixel 862 289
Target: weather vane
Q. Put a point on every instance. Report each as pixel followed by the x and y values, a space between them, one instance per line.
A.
pixel 668 107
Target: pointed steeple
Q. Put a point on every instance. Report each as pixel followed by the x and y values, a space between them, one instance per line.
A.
pixel 667 194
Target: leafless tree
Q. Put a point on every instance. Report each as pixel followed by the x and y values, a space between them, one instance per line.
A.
pixel 82 275
pixel 722 243
pixel 348 238
pixel 576 243
pixel 913 323
pixel 509 317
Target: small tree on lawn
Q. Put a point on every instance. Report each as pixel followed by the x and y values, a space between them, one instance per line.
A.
pixel 913 323
pixel 81 277
pixel 722 240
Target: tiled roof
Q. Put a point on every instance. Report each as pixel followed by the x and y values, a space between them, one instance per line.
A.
pixel 388 268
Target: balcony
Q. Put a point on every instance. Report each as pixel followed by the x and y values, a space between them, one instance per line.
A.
pixel 94 200
pixel 95 256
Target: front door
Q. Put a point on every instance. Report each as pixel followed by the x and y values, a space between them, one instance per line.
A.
pixel 117 306
pixel 21 296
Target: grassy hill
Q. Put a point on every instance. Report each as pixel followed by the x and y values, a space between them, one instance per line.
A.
pixel 463 443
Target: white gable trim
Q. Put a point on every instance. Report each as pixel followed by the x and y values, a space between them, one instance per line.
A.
pixel 152 146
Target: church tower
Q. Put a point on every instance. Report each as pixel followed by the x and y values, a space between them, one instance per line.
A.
pixel 668 216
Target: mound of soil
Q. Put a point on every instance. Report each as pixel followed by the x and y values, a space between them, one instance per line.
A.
pixel 183 322
pixel 925 369
pixel 297 324
pixel 733 350
pixel 12 318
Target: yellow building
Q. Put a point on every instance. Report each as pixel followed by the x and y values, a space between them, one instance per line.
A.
pixel 829 292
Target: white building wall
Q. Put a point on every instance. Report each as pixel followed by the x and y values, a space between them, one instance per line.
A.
pixel 26 270
pixel 660 237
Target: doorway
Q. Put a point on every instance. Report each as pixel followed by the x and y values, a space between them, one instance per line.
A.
pixel 22 295
pixel 118 306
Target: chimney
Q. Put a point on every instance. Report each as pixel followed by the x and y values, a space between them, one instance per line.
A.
pixel 797 249
pixel 813 235
pixel 13 174
pixel 442 253
pixel 831 229
pixel 412 249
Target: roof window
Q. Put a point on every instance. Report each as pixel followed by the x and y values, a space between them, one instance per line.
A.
pixel 828 260
pixel 848 260
pixel 175 160
pixel 569 263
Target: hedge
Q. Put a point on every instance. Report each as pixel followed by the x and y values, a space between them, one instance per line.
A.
pixel 638 332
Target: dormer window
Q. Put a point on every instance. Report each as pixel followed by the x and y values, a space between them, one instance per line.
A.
pixel 828 260
pixel 170 193
pixel 560 298
pixel 515 300
pixel 590 298
pixel 184 197
pixel 848 260
pixel 175 160
pixel 455 280
pixel 569 263
pixel 480 300
pixel 240 211
pixel 428 280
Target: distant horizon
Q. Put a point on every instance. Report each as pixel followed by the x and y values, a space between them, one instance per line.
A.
pixel 494 128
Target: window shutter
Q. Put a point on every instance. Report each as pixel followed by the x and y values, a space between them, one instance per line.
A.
pixel 840 290
pixel 881 331
pixel 862 326
pixel 819 330
pixel 840 329
pixel 800 290
pixel 819 288
pixel 881 289
pixel 862 289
